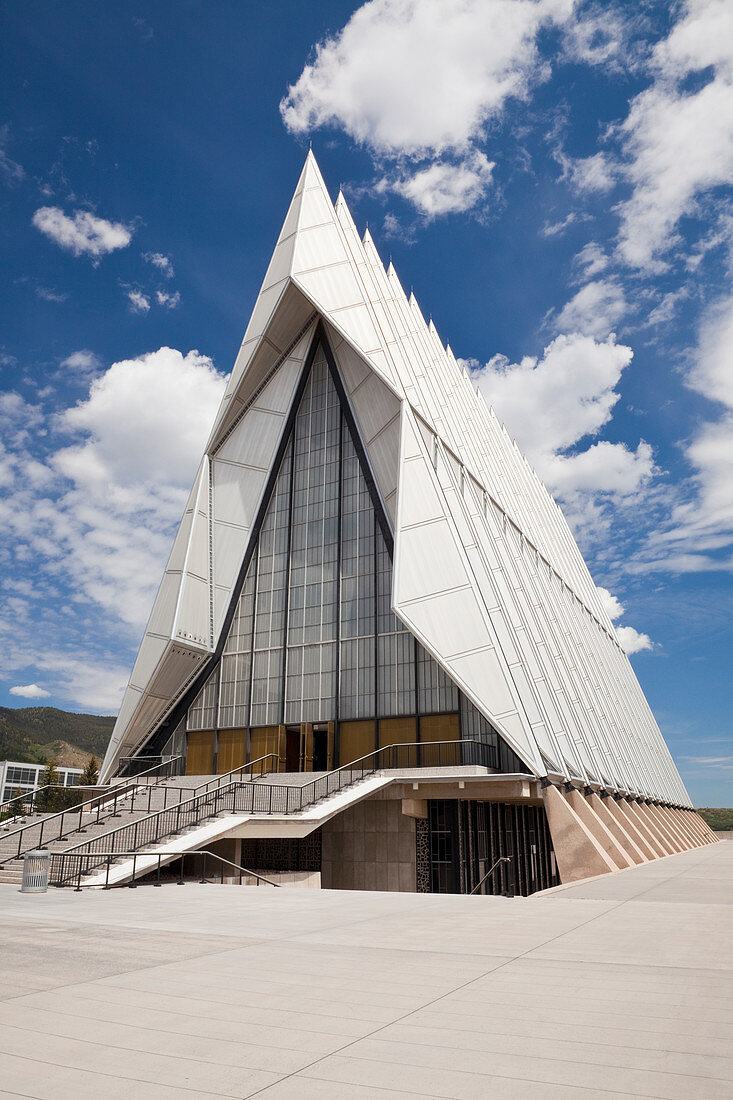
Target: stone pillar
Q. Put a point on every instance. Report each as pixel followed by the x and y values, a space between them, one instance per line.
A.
pixel 587 814
pixel 665 829
pixel 602 807
pixel 676 826
pixel 632 809
pixel 618 808
pixel 668 848
pixel 578 853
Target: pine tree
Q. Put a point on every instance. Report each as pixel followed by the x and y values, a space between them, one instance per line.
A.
pixel 90 775
pixel 44 800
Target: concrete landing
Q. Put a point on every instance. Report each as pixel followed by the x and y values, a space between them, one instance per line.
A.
pixel 621 986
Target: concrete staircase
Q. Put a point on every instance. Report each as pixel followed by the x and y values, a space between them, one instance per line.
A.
pixel 27 833
pixel 271 815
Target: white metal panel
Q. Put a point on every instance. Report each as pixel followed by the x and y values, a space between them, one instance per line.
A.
pixel 252 440
pixel 230 544
pixel 429 565
pixel 193 620
pixel 237 492
pixel 164 609
pixel 151 650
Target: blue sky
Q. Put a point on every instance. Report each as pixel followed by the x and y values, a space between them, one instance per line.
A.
pixel 552 178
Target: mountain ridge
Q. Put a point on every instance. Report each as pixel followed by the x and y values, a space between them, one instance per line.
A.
pixel 34 735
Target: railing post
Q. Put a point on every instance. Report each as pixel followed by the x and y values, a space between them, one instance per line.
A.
pixel 183 860
pixel 109 864
pixel 132 884
pixel 158 883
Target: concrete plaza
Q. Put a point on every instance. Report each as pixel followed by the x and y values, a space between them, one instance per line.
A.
pixel 622 986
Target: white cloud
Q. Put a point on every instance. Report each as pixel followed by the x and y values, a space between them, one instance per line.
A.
pixel 30 691
pixel 595 310
pixel 611 604
pixel 592 259
pixel 444 188
pixel 168 300
pixel 602 468
pixel 147 420
pixel 48 294
pixel 93 523
pixel 679 143
pixel 163 263
pixel 592 175
pixel 139 302
pixel 632 641
pixel 82 234
pixel 409 78
pixel 421 81
pixel 712 374
pixel 550 404
pixel 553 406
pixel 83 363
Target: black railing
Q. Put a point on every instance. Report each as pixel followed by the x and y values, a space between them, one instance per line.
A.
pixel 133 767
pixel 60 873
pixel 278 798
pixel 109 801
pixel 114 801
pixel 46 799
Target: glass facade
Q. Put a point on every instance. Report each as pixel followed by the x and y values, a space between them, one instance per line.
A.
pixel 313 639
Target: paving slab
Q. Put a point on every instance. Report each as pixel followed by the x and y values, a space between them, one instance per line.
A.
pixel 619 986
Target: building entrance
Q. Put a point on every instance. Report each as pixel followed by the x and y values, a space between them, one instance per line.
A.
pixel 292 749
pixel 320 748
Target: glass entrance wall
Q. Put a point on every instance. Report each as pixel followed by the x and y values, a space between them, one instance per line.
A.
pixel 313 638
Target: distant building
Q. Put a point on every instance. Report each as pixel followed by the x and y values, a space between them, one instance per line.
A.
pixel 15 776
pixel 368 567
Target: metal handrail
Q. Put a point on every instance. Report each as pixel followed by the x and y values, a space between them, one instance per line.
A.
pixel 61 856
pixel 163 763
pixel 501 859
pixel 111 795
pixel 268 798
pixel 30 796
pixel 219 781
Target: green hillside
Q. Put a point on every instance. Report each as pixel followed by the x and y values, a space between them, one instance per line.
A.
pixel 33 734
pixel 717 818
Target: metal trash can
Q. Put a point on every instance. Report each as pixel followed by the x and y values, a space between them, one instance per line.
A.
pixel 36 865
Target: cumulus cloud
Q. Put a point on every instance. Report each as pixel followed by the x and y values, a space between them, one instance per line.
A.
pixel 442 187
pixel 408 78
pixel 84 234
pixel 592 175
pixel 678 142
pixel 146 421
pixel 631 640
pixel 555 406
pixel 139 302
pixel 596 309
pixel 422 81
pixel 30 691
pixel 168 300
pixel 550 403
pixel 83 363
pixel 163 263
pixel 119 487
